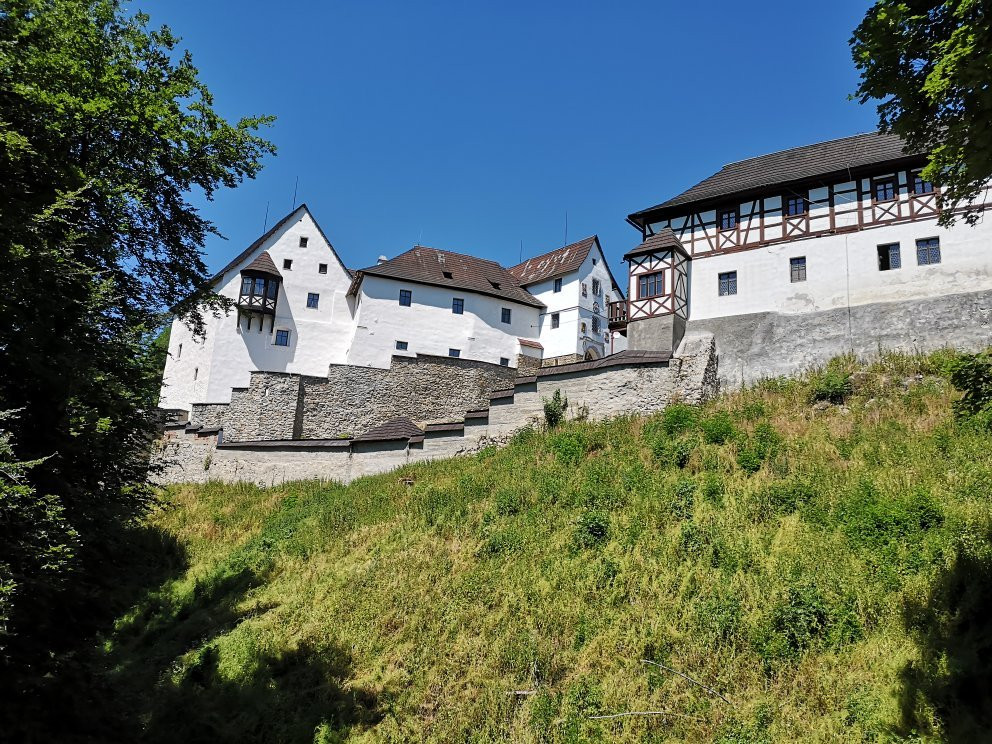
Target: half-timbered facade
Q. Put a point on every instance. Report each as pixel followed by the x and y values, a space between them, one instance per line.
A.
pixel 770 241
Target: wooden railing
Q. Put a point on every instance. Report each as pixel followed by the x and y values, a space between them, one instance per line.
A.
pixel 618 313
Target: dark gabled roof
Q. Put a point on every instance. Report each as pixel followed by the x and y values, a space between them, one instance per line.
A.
pixel 269 233
pixel 397 428
pixel 263 264
pixel 425 265
pixel 554 263
pixel 662 240
pixel 786 166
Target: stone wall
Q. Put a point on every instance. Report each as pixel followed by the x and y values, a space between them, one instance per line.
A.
pixel 620 385
pixel 563 359
pixel 269 408
pixel 208 415
pixel 760 345
pixel 527 365
pixel 424 389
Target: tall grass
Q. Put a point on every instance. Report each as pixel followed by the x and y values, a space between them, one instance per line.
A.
pixel 828 572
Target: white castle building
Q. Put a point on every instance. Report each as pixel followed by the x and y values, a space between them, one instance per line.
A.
pixel 795 257
pixel 299 310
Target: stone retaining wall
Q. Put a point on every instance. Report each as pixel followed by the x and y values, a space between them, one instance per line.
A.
pixel 208 415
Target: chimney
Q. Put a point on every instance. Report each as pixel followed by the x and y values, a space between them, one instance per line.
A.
pixel 381 260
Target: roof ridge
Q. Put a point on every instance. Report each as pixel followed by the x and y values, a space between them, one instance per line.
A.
pixel 803 147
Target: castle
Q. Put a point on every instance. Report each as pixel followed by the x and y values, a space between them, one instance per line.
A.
pixel 771 265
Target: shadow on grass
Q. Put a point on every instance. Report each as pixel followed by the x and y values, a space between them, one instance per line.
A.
pixel 948 692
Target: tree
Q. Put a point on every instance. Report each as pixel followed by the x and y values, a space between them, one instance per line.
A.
pixel 105 131
pixel 930 65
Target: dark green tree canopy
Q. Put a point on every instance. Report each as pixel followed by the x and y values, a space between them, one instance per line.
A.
pixel 930 65
pixel 106 131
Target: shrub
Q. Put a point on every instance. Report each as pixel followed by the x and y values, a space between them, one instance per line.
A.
pixel 832 385
pixel 972 375
pixel 758 447
pixel 554 409
pixel 674 452
pixel 568 447
pixel 796 622
pixel 679 418
pixel 718 428
pixel 592 528
pixel 683 496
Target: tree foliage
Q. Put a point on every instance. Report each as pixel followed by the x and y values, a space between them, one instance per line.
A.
pixel 930 65
pixel 105 132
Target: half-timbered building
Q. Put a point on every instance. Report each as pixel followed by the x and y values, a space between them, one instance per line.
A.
pixel 793 257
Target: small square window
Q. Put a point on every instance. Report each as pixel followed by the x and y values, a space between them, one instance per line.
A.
pixel 928 251
pixel 920 185
pixel 726 219
pixel 504 362
pixel 287 263
pixel 889 257
pixel 505 315
pixel 794 204
pixel 406 297
pixel 321 268
pixel 282 338
pixel 303 241
pixel 884 189
pixel 454 352
pixel 797 269
pixel 555 320
pixel 446 274
pixel 557 286
pixel 728 283
pixel 402 345
pixel 313 300
pixel 457 305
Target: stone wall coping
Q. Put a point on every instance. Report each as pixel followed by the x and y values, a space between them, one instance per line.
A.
pixel 194 427
pixel 210 430
pixel 482 413
pixel 216 404
pixel 445 426
pixel 627 358
pixel 170 427
pixel 500 394
pixel 289 443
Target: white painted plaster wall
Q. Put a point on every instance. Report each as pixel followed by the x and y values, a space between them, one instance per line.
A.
pixel 843 270
pixel 430 327
pixel 318 337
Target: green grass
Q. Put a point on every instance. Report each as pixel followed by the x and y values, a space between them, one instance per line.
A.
pixel 828 571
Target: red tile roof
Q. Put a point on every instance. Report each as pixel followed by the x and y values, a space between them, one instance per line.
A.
pixel 528 342
pixel 554 263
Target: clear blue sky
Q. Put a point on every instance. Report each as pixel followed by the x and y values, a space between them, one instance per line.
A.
pixel 471 126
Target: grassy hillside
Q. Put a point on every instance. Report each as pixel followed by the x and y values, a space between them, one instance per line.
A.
pixel 824 568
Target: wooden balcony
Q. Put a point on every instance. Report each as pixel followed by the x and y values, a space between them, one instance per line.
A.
pixel 253 303
pixel 618 316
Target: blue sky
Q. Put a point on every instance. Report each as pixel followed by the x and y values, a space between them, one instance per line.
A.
pixel 473 126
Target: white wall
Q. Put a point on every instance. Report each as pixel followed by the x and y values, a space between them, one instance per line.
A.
pixel 318 337
pixel 842 270
pixel 430 327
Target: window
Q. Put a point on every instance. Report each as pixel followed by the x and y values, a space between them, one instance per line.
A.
pixel 928 251
pixel 406 297
pixel 282 338
pixel 303 241
pixel 555 320
pixel 446 274
pixel 504 362
pixel 321 268
pixel 595 324
pixel 650 285
pixel 454 352
pixel 794 204
pixel 287 263
pixel 557 285
pixel 920 186
pixel 179 352
pixel 196 372
pixel 585 289
pixel 884 189
pixel 888 257
pixel 505 315
pixel 797 269
pixel 457 305
pixel 607 300
pixel 582 326
pixel 596 287
pixel 313 299
pixel 726 219
pixel 595 261
pixel 728 283
pixel 402 346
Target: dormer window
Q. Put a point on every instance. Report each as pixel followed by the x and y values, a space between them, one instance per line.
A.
pixel 495 285
pixel 303 241
pixel 287 263
pixel 726 219
pixel 794 204
pixel 446 274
